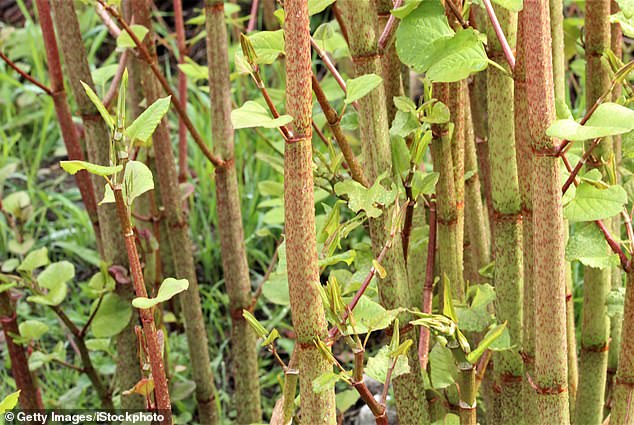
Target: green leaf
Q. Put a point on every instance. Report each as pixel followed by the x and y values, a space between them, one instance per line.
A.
pixel 609 119
pixel 98 344
pixel 6 286
pixel 268 46
pixel 588 246
pixel 448 308
pixel 9 402
pixel 591 203
pixel 275 289
pixel 137 179
pixel 512 5
pixel 488 339
pixel 503 342
pixel 437 114
pixel 404 104
pixel 113 316
pixel 195 71
pixel 318 6
pixel 72 167
pixel 476 316
pixel 418 31
pixel 424 183
pixel 361 86
pixel 369 200
pixel 443 367
pixel 35 259
pixel 627 7
pixel 346 399
pixel 145 124
pixel 400 157
pixel 16 203
pixel 255 324
pixel 456 58
pixel 54 278
pixel 252 114
pixel 325 382
pixel 406 8
pixel 30 330
pixel 368 316
pixel 449 419
pixel 99 105
pixel 168 289
pixel 9 265
pixel 404 124
pixel 377 366
pixel 125 41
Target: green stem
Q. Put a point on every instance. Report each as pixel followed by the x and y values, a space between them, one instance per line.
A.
pixel 622 404
pixel 233 251
pixel 394 290
pixel 507 224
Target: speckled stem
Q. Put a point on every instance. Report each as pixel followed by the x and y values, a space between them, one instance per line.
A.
pixel 390 63
pixel 525 171
pixel 622 404
pixel 508 276
pixel 394 291
pixel 180 241
pixel 475 220
pixel 233 251
pixel 448 259
pixel 97 150
pixel 551 370
pixel 597 282
pixel 616 40
pixel 30 398
pixel 307 309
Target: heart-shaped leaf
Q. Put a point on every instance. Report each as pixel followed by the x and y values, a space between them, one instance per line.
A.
pixel 168 289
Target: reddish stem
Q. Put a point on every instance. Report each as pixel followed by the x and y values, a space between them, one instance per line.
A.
pixel 183 171
pixel 386 37
pixel 67 127
pixel 423 344
pixel 573 174
pixel 253 19
pixel 24 74
pixel 506 48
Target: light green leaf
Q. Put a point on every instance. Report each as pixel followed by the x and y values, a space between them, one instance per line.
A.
pixel 449 419
pixel 72 167
pixel 344 257
pixel 318 6
pixel 378 365
pixel 488 339
pixel 125 41
pixel 325 382
pixel 9 265
pixel 195 71
pixel 30 330
pixel 424 183
pixel 369 200
pixel 56 274
pixel 361 86
pixel 627 7
pixel 16 203
pixel 512 5
pixel 9 402
pixel 98 344
pixel 35 259
pixel 113 316
pixel 591 203
pixel 99 105
pixel 145 124
pixel 53 297
pixel 252 114
pixel 6 286
pixel 587 245
pixel 418 31
pixel 255 324
pixel 443 367
pixel 404 124
pixel 346 399
pixel 369 316
pixel 275 289
pixel 406 8
pixel 404 103
pixel 609 119
pixel 268 46
pixel 168 289
pixel 137 179
pixel 437 114
pixel 456 58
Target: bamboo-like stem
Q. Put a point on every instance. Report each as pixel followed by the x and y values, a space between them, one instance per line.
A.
pixel 508 275
pixel 390 63
pixel 178 106
pixel 387 34
pixel 550 373
pixel 30 398
pixel 64 117
pixel 307 311
pixel 334 122
pixel 394 290
pixel 183 171
pixel 597 282
pixel 178 238
pixel 475 220
pixel 616 41
pixel 428 289
pixel 622 409
pixel 97 150
pixel 155 352
pixel 233 250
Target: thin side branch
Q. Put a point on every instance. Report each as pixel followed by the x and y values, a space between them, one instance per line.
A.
pixel 506 48
pixel 388 32
pixel 580 164
pixel 25 75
